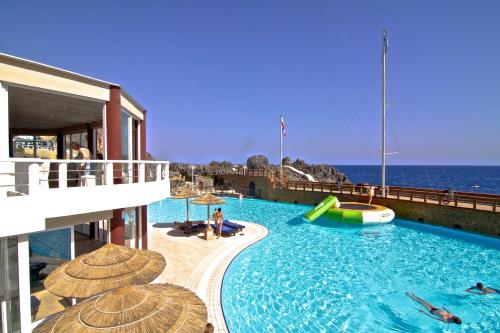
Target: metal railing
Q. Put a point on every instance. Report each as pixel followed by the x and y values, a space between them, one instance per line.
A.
pixel 23 176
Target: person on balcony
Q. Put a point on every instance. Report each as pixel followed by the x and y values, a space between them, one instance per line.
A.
pixel 84 167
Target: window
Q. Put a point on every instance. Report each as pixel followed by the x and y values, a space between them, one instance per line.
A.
pixel 125 128
pixel 35 146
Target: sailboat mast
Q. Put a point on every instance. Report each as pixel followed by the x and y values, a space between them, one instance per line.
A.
pixel 281 147
pixel 384 53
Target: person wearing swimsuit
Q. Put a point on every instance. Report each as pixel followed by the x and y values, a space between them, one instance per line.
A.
pixel 482 290
pixel 442 315
pixel 219 218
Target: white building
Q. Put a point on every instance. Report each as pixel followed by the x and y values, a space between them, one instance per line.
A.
pixel 104 198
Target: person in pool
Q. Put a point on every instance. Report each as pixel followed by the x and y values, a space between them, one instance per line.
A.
pixel 482 290
pixel 442 315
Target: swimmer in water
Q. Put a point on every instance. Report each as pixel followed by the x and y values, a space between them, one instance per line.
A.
pixel 435 313
pixel 480 289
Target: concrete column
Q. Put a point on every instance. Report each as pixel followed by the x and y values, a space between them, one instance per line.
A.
pixel 23 253
pixel 144 227
pixel 144 209
pixel 60 146
pixel 4 121
pixel 113 130
pixel 117 227
pixel 4 139
pixel 113 152
pixel 90 141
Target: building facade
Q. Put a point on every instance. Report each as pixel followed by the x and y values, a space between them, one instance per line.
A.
pixel 54 204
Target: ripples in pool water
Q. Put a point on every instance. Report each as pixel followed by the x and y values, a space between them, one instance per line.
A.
pixel 326 277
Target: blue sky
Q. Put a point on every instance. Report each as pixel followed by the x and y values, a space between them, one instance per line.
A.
pixel 216 75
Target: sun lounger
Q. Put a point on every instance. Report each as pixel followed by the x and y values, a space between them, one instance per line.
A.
pixel 35 304
pixel 194 229
pixel 226 231
pixel 35 269
pixel 233 225
pixel 183 225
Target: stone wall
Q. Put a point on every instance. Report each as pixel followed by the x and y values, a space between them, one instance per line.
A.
pixel 242 184
pixel 448 216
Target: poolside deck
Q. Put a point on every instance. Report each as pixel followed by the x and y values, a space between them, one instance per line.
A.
pixel 199 265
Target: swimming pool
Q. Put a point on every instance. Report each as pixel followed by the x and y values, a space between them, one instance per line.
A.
pixel 325 277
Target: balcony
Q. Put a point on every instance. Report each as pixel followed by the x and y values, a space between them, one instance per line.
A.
pixel 38 195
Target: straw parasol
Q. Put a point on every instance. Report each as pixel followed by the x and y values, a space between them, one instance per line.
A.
pixel 208 199
pixel 152 308
pixel 185 193
pixel 106 268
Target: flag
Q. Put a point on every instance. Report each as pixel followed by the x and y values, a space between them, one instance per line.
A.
pixel 386 42
pixel 283 126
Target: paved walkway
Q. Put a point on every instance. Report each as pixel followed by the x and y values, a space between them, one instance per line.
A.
pixel 199 265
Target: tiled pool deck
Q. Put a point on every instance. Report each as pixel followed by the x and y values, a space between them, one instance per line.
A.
pixel 199 265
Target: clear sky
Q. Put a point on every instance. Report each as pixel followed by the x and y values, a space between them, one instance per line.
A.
pixel 216 75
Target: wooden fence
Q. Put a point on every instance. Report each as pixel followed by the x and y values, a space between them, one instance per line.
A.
pixel 477 201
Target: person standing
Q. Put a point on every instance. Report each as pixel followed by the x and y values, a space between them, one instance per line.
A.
pixel 84 167
pixel 371 194
pixel 219 219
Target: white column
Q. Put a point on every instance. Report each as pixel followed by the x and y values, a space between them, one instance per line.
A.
pixel 167 178
pixel 4 139
pixel 109 173
pixel 63 175
pixel 4 121
pixel 24 283
pixel 142 172
pixel 158 172
pixel 34 178
pixel 104 131
pixel 139 221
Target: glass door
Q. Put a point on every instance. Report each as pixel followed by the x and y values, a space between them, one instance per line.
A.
pixel 9 285
pixel 130 226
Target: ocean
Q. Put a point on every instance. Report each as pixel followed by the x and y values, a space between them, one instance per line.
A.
pixel 479 179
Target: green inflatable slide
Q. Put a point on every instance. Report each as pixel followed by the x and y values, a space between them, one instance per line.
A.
pixel 320 209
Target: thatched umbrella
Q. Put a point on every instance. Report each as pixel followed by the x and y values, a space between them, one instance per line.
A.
pixel 152 308
pixel 185 193
pixel 208 199
pixel 106 268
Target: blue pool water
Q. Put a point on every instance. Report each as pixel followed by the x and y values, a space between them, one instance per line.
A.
pixel 323 277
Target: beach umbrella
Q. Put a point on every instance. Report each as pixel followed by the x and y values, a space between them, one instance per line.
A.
pixel 208 199
pixel 185 193
pixel 106 268
pixel 153 308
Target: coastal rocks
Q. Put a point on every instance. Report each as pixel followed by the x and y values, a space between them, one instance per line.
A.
pixel 257 162
pixel 320 172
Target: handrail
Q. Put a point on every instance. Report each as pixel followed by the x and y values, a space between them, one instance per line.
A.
pixel 479 201
pixel 32 176
pixel 41 160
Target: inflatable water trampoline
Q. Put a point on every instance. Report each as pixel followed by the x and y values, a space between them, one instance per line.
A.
pixel 350 212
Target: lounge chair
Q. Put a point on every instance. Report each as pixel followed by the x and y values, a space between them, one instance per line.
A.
pixel 236 226
pixel 35 305
pixel 194 229
pixel 183 225
pixel 226 231
pixel 35 269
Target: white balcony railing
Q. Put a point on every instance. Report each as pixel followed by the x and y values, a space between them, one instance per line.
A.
pixel 37 195
pixel 25 176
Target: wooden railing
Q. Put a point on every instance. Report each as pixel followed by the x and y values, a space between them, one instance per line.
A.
pixel 478 201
